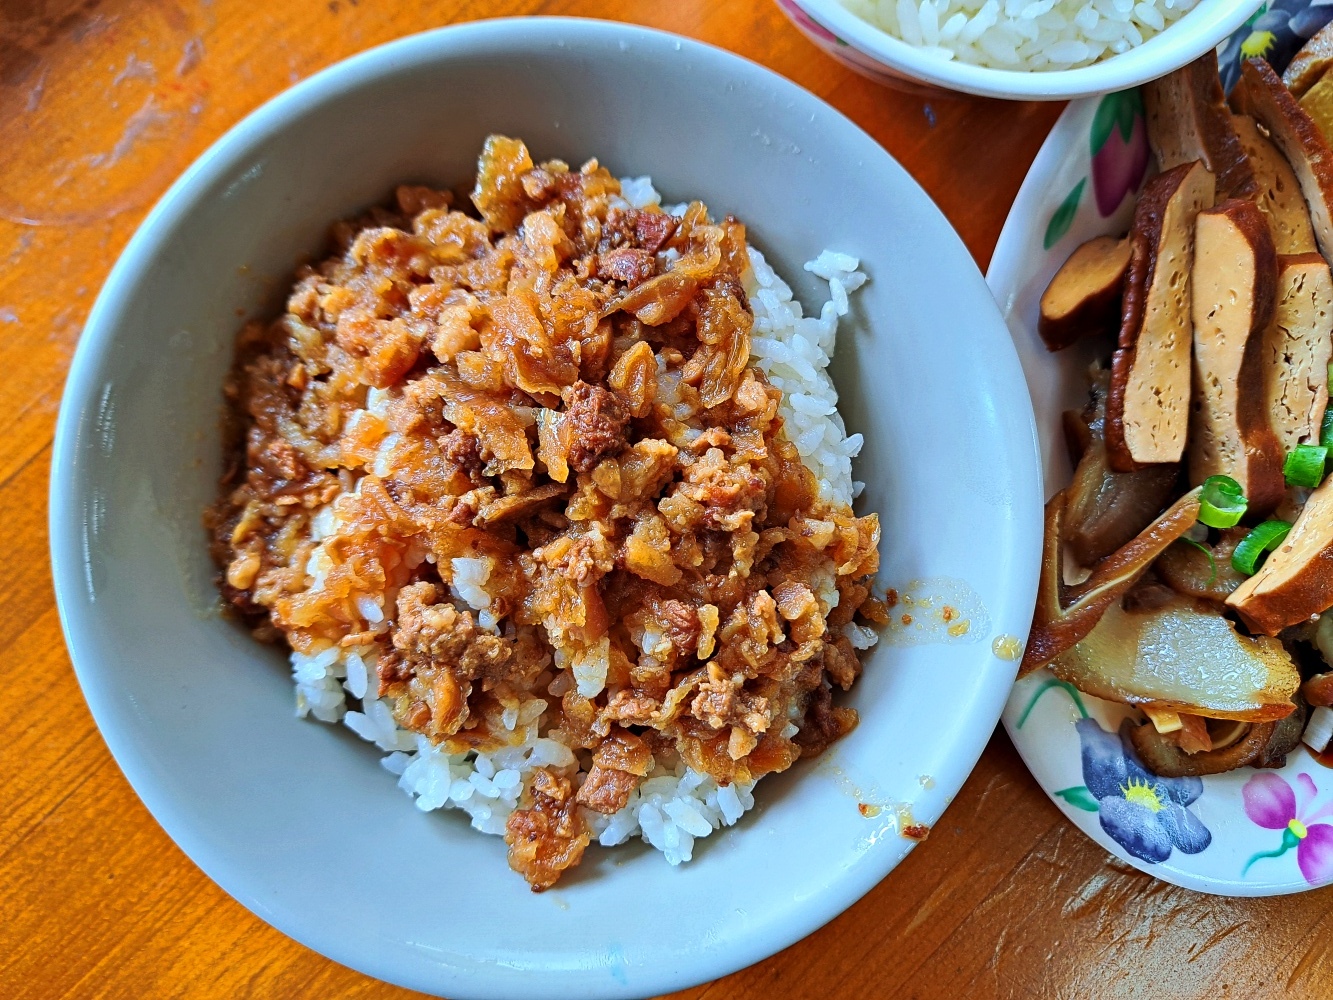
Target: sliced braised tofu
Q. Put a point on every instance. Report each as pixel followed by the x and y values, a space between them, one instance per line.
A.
pixel 1309 65
pixel 1083 299
pixel 1147 413
pixel 1234 286
pixel 1188 120
pixel 1278 191
pixel 1299 140
pixel 1297 347
pixel 1318 104
pixel 1297 579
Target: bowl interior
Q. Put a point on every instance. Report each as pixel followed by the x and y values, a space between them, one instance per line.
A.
pixel 297 820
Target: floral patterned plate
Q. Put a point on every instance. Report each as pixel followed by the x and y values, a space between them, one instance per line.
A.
pixel 1246 833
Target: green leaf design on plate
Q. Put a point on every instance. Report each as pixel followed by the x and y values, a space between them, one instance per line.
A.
pixel 1289 840
pixel 1079 797
pixel 1064 215
pixel 1064 686
pixel 1263 9
pixel 1116 111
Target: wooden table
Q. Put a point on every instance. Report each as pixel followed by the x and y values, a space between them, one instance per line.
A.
pixel 102 103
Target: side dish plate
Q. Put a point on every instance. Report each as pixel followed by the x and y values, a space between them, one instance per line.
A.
pixel 1271 831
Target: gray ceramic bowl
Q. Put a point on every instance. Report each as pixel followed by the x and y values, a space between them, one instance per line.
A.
pixel 297 820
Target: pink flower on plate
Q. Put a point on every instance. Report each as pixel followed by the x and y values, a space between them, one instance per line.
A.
pixel 1272 804
pixel 1119 146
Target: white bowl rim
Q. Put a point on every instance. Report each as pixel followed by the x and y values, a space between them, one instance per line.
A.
pixel 1120 72
pixel 66 515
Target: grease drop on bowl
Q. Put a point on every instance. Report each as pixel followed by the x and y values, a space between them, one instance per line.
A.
pixel 937 609
pixel 908 827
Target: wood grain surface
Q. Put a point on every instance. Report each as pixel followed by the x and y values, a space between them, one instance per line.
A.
pixel 102 104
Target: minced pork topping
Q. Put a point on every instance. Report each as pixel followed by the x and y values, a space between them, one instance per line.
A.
pixel 521 449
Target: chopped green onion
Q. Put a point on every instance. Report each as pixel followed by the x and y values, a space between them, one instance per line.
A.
pixel 1305 465
pixel 1208 554
pixel 1326 429
pixel 1258 543
pixel 1221 503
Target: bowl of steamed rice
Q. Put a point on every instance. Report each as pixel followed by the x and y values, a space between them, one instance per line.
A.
pixel 1018 49
pixel 633 475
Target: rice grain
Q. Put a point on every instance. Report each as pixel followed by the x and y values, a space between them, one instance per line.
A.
pixel 1022 34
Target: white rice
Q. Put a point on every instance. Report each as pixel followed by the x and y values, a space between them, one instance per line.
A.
pixel 675 805
pixel 794 351
pixel 639 191
pixel 469 581
pixel 1022 34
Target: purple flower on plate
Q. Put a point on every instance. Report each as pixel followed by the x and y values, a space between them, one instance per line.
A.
pixel 1276 32
pixel 1119 142
pixel 1146 815
pixel 1274 805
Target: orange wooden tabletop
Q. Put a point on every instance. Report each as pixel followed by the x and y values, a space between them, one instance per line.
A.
pixel 102 104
